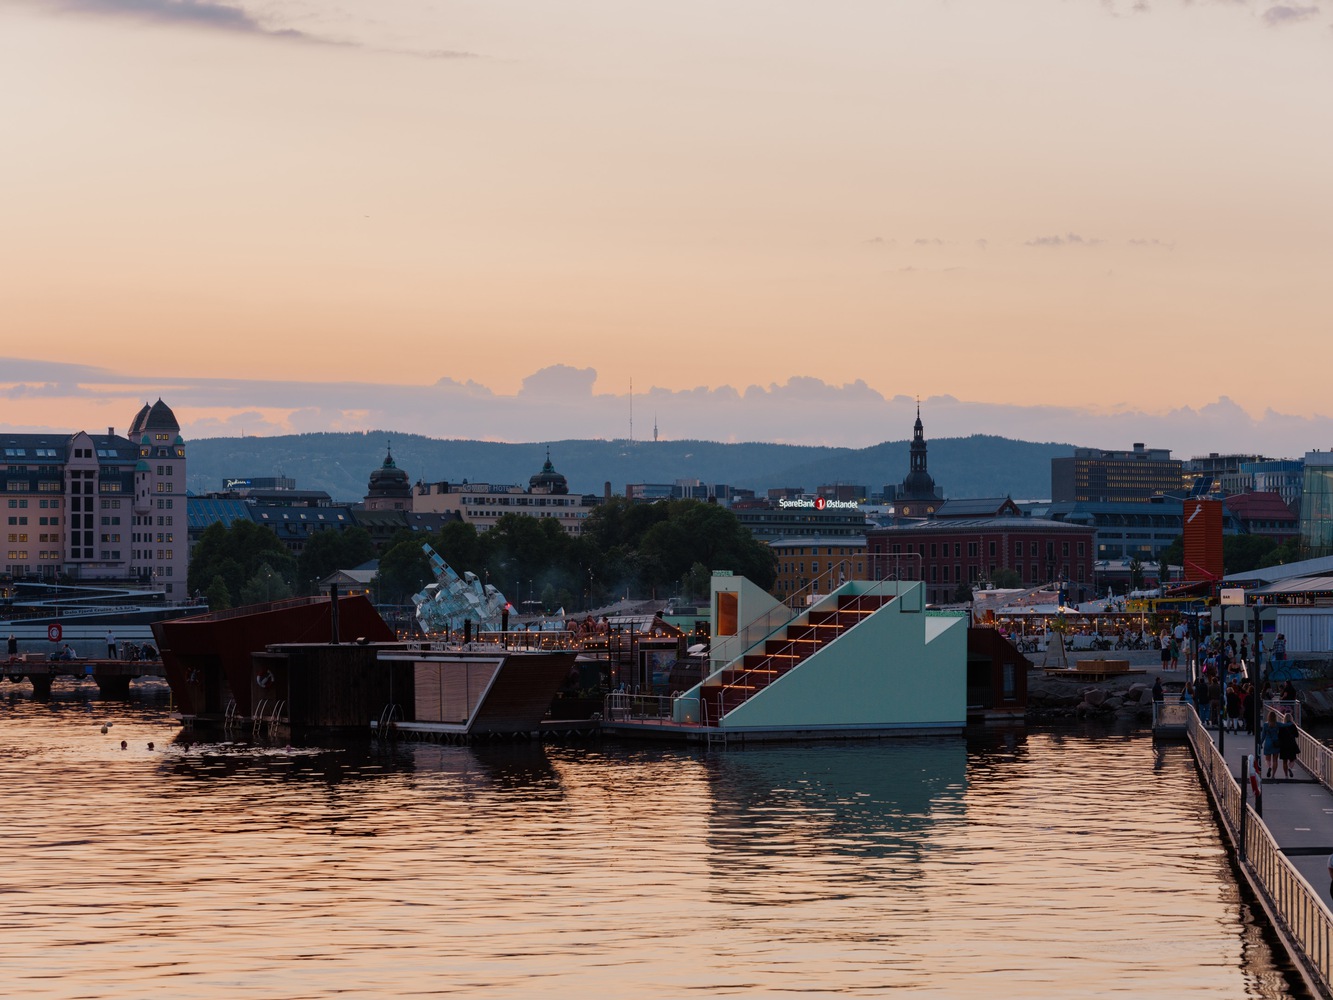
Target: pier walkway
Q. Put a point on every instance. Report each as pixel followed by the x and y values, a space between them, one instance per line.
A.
pixel 1284 855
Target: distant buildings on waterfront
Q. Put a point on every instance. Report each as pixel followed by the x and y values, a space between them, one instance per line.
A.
pixel 106 507
pixel 99 507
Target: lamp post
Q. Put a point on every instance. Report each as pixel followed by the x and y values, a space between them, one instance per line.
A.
pixel 1258 642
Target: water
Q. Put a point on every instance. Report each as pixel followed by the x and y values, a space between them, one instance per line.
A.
pixel 1047 864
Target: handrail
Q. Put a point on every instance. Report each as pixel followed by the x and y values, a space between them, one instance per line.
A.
pixel 876 590
pixel 1294 903
pixel 791 607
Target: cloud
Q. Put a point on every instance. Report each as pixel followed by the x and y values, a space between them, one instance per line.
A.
pixel 560 402
pixel 559 382
pixel 1282 14
pixel 1068 240
pixel 1162 244
pixel 210 15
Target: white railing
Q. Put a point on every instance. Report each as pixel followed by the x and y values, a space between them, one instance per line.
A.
pixel 1296 904
pixel 624 706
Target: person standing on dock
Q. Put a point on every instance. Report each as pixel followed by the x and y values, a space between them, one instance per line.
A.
pixel 110 645
pixel 12 647
pixel 1257 785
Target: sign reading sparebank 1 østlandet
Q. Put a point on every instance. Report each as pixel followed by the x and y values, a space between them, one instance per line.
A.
pixel 818 503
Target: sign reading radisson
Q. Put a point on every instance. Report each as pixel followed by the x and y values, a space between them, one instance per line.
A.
pixel 818 503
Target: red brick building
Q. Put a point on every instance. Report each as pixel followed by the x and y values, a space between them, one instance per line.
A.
pixel 945 553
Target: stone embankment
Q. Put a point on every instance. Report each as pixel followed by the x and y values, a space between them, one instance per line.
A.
pixel 1052 697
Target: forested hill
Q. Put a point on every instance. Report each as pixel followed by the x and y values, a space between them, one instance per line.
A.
pixel 341 463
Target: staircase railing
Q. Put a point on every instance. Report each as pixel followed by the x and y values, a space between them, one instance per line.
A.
pixel 877 589
pixel 772 621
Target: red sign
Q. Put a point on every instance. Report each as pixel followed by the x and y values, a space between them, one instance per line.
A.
pixel 820 503
pixel 53 632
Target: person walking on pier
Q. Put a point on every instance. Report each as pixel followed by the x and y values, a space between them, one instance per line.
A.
pixel 1268 742
pixel 110 645
pixel 1288 745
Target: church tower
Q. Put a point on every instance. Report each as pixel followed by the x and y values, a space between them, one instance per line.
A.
pixel 919 496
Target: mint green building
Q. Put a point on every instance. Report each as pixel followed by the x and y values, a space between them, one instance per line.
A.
pixel 867 659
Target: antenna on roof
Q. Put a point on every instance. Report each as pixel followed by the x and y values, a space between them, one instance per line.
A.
pixel 631 409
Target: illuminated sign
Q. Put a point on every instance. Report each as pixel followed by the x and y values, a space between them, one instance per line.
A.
pixel 818 503
pixel 235 484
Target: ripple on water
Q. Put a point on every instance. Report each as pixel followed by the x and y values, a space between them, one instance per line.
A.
pixel 1042 865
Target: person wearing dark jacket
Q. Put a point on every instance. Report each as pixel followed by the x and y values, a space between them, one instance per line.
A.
pixel 1288 745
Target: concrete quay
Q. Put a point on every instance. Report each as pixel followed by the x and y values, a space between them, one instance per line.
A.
pixel 1298 812
pixel 1283 854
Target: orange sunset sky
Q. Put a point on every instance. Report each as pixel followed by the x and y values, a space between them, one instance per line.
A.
pixel 1096 209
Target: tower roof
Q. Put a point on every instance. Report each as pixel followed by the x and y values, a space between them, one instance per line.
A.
pixel 548 480
pixel 157 417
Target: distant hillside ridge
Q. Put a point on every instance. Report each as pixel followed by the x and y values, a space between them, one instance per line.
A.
pixel 981 465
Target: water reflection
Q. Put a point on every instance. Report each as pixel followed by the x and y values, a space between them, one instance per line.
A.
pixel 1045 864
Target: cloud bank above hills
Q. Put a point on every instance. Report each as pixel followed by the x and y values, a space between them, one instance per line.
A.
pixel 562 401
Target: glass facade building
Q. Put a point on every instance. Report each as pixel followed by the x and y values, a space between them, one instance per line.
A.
pixel 1317 506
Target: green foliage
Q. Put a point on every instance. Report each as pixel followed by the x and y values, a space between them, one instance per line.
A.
pixel 962 594
pixel 404 570
pixel 267 584
pixel 696 582
pixel 236 554
pixel 1136 579
pixel 1007 579
pixel 330 550
pixel 1240 553
pixel 217 595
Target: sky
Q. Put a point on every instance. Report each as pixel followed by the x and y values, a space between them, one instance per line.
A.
pixel 1088 221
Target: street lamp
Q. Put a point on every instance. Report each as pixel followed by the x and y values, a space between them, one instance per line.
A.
pixel 1258 642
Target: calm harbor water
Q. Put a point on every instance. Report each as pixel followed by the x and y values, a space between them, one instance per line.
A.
pixel 1050 863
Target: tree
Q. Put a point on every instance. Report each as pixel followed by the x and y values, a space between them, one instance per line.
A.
pixel 236 553
pixel 330 550
pixel 217 595
pixel 697 582
pixel 404 570
pixel 962 594
pixel 266 585
pixel 1135 574
pixel 1007 579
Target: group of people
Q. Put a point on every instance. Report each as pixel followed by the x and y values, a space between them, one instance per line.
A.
pixel 1278 741
pixel 1233 702
pixel 1223 656
pixel 588 626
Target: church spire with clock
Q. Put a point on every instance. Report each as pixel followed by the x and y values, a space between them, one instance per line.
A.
pixel 918 496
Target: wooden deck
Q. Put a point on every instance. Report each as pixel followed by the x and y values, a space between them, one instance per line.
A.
pixel 1094 670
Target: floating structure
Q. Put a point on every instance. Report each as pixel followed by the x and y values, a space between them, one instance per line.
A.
pixel 867 659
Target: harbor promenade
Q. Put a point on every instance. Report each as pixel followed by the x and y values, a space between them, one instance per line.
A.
pixel 1298 812
pixel 1284 853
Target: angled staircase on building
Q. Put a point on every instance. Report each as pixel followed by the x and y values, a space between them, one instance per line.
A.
pixel 792 645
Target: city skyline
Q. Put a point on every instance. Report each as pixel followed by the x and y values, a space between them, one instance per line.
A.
pixel 1093 222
